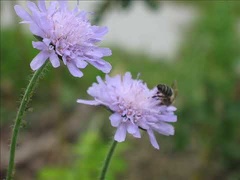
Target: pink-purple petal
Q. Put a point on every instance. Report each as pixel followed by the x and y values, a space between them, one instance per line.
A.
pixel 81 64
pixel 132 128
pixel 120 134
pixel 42 5
pixel 39 60
pixel 102 65
pixel 54 60
pixel 34 28
pixel 137 134
pixel 106 52
pixel 39 45
pixel 99 31
pixel 22 13
pixel 88 102
pixel 171 108
pixel 52 7
pixel 63 4
pixel 168 118
pixel 116 80
pixel 47 41
pixel 100 81
pixel 153 139
pixel 32 6
pixel 74 70
pixel 163 128
pixel 115 119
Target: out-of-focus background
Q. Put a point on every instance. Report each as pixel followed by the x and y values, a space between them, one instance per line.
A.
pixel 196 43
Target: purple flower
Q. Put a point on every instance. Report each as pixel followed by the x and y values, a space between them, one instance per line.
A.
pixel 133 106
pixel 65 34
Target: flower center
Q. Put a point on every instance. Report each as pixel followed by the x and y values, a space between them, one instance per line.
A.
pixel 70 28
pixel 128 113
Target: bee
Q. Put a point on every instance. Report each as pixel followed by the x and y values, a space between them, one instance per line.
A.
pixel 166 94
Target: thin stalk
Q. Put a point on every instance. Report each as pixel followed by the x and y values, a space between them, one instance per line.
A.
pixel 17 125
pixel 107 160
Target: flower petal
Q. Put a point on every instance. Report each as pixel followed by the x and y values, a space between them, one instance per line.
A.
pixel 54 60
pixel 22 13
pixel 39 60
pixel 88 102
pixel 121 132
pixel 39 45
pixel 153 139
pixel 99 32
pixel 115 119
pixel 80 63
pixel 42 5
pixel 127 77
pixel 166 118
pixel 134 130
pixel 116 80
pixel 102 65
pixel 32 6
pixel 34 28
pixel 63 4
pixel 52 7
pixel 74 70
pixel 100 81
pixel 171 108
pixel 137 134
pixel 106 51
pixel 163 128
pixel 98 52
pixel 131 128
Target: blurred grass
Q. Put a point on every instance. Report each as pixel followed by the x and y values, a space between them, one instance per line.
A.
pixel 88 154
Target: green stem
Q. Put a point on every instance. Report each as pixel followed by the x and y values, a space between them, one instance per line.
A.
pixel 22 108
pixel 107 160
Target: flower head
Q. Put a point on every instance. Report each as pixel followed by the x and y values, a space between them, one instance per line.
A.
pixel 133 106
pixel 64 34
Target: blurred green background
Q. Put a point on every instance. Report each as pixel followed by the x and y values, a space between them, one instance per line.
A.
pixel 61 139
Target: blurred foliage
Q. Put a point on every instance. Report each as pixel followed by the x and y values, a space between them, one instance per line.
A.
pixel 89 153
pixel 107 5
pixel 208 102
pixel 209 89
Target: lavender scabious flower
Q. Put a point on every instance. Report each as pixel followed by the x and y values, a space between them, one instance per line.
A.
pixel 133 106
pixel 64 34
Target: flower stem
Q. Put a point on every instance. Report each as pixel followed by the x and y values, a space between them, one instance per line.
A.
pixel 22 108
pixel 107 160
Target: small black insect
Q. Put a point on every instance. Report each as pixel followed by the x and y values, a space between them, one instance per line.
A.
pixel 166 94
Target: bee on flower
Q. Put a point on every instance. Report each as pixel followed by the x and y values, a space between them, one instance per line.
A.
pixel 133 106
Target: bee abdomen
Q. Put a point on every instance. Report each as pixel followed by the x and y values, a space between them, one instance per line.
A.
pixel 164 89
